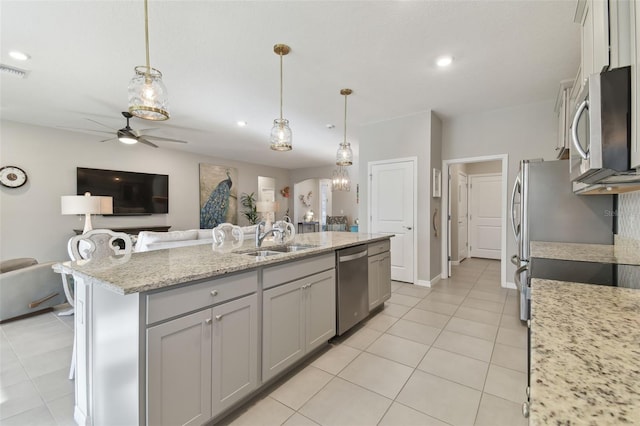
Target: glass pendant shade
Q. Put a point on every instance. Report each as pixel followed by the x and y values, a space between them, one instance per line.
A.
pixel 281 135
pixel 148 95
pixel 340 180
pixel 344 156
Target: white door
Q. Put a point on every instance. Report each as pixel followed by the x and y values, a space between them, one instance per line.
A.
pixel 463 217
pixel 392 211
pixel 485 215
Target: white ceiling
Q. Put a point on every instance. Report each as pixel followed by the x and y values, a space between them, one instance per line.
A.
pixel 219 67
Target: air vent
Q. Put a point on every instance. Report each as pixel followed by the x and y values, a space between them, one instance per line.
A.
pixel 16 72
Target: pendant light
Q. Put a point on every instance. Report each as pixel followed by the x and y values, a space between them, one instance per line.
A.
pixel 281 132
pixel 147 92
pixel 344 156
pixel 340 180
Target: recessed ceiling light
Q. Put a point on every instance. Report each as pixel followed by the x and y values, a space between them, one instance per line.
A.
pixel 444 61
pixel 19 56
pixel 241 123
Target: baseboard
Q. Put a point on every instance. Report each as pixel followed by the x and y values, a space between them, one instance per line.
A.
pixel 424 283
pixel 455 262
pixel 435 280
pixel 511 285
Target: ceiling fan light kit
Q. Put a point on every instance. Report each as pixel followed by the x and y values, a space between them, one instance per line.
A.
pixel 281 135
pixel 147 93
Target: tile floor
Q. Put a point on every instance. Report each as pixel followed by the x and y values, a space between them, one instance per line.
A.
pixel 454 354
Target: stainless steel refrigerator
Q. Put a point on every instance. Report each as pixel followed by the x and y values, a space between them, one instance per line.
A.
pixel 544 208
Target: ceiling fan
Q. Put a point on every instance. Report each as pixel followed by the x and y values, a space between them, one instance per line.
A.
pixel 128 135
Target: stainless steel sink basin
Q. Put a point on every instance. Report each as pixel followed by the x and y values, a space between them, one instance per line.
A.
pixel 262 253
pixel 271 251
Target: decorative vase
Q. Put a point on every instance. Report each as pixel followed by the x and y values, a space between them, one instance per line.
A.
pixel 308 217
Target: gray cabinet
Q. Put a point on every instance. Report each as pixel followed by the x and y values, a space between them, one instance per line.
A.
pixel 298 317
pixel 179 371
pixel 379 274
pixel 593 17
pixel 563 109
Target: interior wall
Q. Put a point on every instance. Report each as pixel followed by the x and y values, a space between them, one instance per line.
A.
pixel 522 132
pixel 435 208
pixel 30 221
pixel 484 167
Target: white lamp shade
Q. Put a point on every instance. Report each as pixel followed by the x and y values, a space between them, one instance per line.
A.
pixel 86 204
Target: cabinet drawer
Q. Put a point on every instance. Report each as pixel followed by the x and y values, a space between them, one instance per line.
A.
pixel 170 303
pixel 286 272
pixel 379 247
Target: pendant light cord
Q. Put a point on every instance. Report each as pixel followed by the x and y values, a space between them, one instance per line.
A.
pixel 146 35
pixel 280 85
pixel 345 121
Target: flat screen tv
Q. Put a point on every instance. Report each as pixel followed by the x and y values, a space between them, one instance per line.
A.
pixel 133 193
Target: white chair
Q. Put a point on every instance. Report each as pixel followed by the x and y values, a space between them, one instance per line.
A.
pixel 227 236
pixel 287 229
pixel 96 244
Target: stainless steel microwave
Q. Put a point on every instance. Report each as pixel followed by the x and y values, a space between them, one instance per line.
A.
pixel 601 127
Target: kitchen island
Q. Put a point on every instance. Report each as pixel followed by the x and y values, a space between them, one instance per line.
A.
pixel 585 347
pixel 184 335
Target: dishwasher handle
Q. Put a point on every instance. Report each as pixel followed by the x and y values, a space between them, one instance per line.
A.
pixel 352 256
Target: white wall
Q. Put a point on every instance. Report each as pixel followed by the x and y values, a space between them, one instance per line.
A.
pixel 30 221
pixel 435 208
pixel 522 132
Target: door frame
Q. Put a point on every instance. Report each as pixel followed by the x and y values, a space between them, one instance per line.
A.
pixel 466 176
pixel 446 244
pixel 414 161
pixel 469 204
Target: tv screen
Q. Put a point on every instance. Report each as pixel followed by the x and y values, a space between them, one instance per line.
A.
pixel 133 193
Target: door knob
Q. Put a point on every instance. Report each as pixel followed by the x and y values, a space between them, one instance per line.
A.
pixel 408 228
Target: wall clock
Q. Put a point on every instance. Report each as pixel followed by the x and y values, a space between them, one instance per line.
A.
pixel 12 176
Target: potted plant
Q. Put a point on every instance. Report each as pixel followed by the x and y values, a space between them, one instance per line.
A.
pixel 248 201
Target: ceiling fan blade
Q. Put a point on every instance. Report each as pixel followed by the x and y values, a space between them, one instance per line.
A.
pixel 109 140
pixel 99 123
pixel 146 142
pixel 85 130
pixel 164 139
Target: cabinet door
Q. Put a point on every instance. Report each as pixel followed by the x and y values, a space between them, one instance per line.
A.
pixel 282 328
pixel 374 287
pixel 235 351
pixel 384 276
pixel 179 371
pixel 320 301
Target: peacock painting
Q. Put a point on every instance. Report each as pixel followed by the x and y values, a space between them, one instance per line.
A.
pixel 218 198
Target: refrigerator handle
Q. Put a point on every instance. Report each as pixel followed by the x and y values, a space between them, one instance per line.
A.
pixel 574 130
pixel 514 227
pixel 516 276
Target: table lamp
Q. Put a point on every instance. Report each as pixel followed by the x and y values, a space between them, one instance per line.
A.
pixel 87 205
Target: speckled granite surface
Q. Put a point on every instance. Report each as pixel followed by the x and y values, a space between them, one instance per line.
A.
pixel 585 354
pixel 161 268
pixel 626 254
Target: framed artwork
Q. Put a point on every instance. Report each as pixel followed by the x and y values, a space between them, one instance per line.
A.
pixel 218 195
pixel 437 183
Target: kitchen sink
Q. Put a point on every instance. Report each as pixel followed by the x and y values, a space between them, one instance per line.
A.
pixel 262 253
pixel 271 251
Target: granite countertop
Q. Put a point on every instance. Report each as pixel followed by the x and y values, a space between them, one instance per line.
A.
pixel 627 254
pixel 157 269
pixel 585 354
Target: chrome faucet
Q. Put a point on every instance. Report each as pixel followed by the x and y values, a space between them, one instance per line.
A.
pixel 260 236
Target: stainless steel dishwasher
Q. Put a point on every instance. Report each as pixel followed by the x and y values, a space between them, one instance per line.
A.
pixel 353 287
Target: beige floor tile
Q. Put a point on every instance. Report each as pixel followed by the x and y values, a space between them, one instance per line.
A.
pixel 484 305
pixel 12 373
pixel 362 338
pixel 486 317
pixel 421 316
pixel 43 344
pixel 19 398
pixel 497 411
pixel 39 416
pixel 343 403
pixel 512 321
pixel 402 299
pixel 395 285
pixel 446 289
pixel 16 327
pixel 336 358
pixel 413 331
pixel 445 400
pixel 381 322
pixel 6 353
pixel 301 387
pixel 511 308
pixel 465 345
pixel 512 337
pixel 437 307
pixel 472 328
pixel 491 296
pixel 62 410
pixel 264 412
pixel 38 365
pixel 37 330
pixel 377 374
pixel 414 291
pixel 299 420
pixel 55 384
pixel 510 357
pixel 401 415
pixel 398 349
pixel 452 299
pixel 506 383
pixel 457 368
pixel 394 310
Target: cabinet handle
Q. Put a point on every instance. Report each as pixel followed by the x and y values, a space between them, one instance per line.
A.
pixel 214 293
pixel 218 317
pixel 208 321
